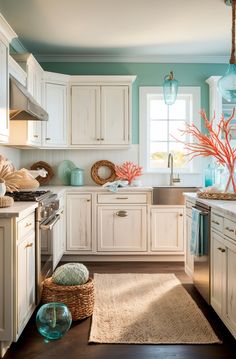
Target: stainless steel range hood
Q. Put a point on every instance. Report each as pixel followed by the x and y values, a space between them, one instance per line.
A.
pixel 23 107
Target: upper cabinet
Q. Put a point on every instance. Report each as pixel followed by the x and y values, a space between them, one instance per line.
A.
pixel 31 136
pixel 101 111
pixel 6 36
pixel 55 130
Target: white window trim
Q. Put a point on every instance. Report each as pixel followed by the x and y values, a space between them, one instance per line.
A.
pixel 195 91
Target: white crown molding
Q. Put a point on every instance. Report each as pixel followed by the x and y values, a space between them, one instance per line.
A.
pixel 141 59
pixel 18 46
pixel 6 29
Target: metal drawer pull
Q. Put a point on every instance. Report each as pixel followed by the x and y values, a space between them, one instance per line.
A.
pixel 29 245
pixel 216 222
pixel 36 136
pixel 229 229
pixel 48 138
pixel 28 225
pixel 122 214
pixel 221 249
pixel 122 198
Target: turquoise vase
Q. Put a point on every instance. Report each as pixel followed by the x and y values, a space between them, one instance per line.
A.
pixel 53 320
pixel 227 84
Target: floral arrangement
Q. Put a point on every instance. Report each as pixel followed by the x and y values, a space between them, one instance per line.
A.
pixel 128 171
pixel 215 143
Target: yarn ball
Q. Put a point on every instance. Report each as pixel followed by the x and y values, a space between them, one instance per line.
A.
pixel 71 274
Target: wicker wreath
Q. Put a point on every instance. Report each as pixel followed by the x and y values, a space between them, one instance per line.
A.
pixel 78 298
pixel 95 168
pixel 47 167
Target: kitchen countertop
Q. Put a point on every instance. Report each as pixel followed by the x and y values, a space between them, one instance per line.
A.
pixel 228 207
pixel 19 209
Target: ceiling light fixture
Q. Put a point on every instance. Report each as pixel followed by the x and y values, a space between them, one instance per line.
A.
pixel 170 88
pixel 227 83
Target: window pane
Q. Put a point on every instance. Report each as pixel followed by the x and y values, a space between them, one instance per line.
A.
pixel 158 130
pixel 177 149
pixel 177 111
pixel 158 110
pixel 174 127
pixel 158 155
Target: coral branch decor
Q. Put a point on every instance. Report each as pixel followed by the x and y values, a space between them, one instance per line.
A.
pixel 128 171
pixel 215 143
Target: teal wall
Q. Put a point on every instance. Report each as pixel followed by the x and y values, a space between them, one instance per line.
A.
pixel 148 74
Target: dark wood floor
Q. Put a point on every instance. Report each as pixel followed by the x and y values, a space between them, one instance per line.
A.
pixel 74 345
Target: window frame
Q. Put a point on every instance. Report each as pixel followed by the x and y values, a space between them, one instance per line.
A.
pixel 144 134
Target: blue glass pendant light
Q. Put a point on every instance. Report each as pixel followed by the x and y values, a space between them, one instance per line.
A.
pixel 227 83
pixel 170 89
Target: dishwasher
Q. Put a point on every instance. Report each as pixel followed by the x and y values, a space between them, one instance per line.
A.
pixel 201 274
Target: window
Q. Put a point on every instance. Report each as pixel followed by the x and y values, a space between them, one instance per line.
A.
pixel 160 127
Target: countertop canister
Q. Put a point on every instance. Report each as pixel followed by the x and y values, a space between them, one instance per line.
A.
pixel 77 177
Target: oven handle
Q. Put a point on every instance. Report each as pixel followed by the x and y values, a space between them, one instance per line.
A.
pixel 50 225
pixel 203 213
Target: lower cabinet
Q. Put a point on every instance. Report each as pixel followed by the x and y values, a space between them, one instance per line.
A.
pixel 121 228
pixel 25 277
pixel 78 223
pixel 167 229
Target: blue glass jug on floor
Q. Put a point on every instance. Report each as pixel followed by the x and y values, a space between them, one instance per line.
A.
pixel 53 320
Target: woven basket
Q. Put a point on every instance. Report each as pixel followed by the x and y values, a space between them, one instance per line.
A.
pixel 78 298
pixel 224 196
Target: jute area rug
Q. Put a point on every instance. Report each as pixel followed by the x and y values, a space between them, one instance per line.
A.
pixel 146 309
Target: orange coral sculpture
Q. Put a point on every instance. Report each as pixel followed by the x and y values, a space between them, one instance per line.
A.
pixel 128 171
pixel 216 143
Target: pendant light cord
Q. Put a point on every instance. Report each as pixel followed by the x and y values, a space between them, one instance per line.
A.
pixel 233 58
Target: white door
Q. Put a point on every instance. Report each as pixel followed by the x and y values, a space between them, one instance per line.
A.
pixel 78 222
pixel 218 253
pixel 25 281
pixel 231 286
pixel 85 127
pixel 114 115
pixel 55 129
pixel 189 258
pixel 122 229
pixel 4 118
pixel 167 229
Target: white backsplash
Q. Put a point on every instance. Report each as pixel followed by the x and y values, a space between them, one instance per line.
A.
pixel 86 158
pixel 13 154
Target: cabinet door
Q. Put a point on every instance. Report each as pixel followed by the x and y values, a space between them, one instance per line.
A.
pixel 217 272
pixel 189 258
pixel 25 256
pixel 55 129
pixel 114 115
pixel 85 128
pixel 79 230
pixel 167 230
pixel 122 229
pixel 4 118
pixel 58 236
pixel 231 286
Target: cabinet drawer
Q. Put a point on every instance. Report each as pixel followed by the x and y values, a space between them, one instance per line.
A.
pixel 26 225
pixel 122 198
pixel 229 228
pixel 217 222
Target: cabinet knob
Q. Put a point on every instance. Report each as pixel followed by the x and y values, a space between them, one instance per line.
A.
pixel 88 200
pixel 29 245
pixel 181 214
pixel 122 214
pixel 102 139
pixel 47 138
pixel 98 139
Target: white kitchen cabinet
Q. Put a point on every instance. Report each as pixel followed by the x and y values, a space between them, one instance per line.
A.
pixel 29 133
pixel 101 111
pixel 4 114
pixel 55 130
pixel 223 269
pixel 122 228
pixel 25 300
pixel 167 229
pixel 17 276
pixel 79 222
